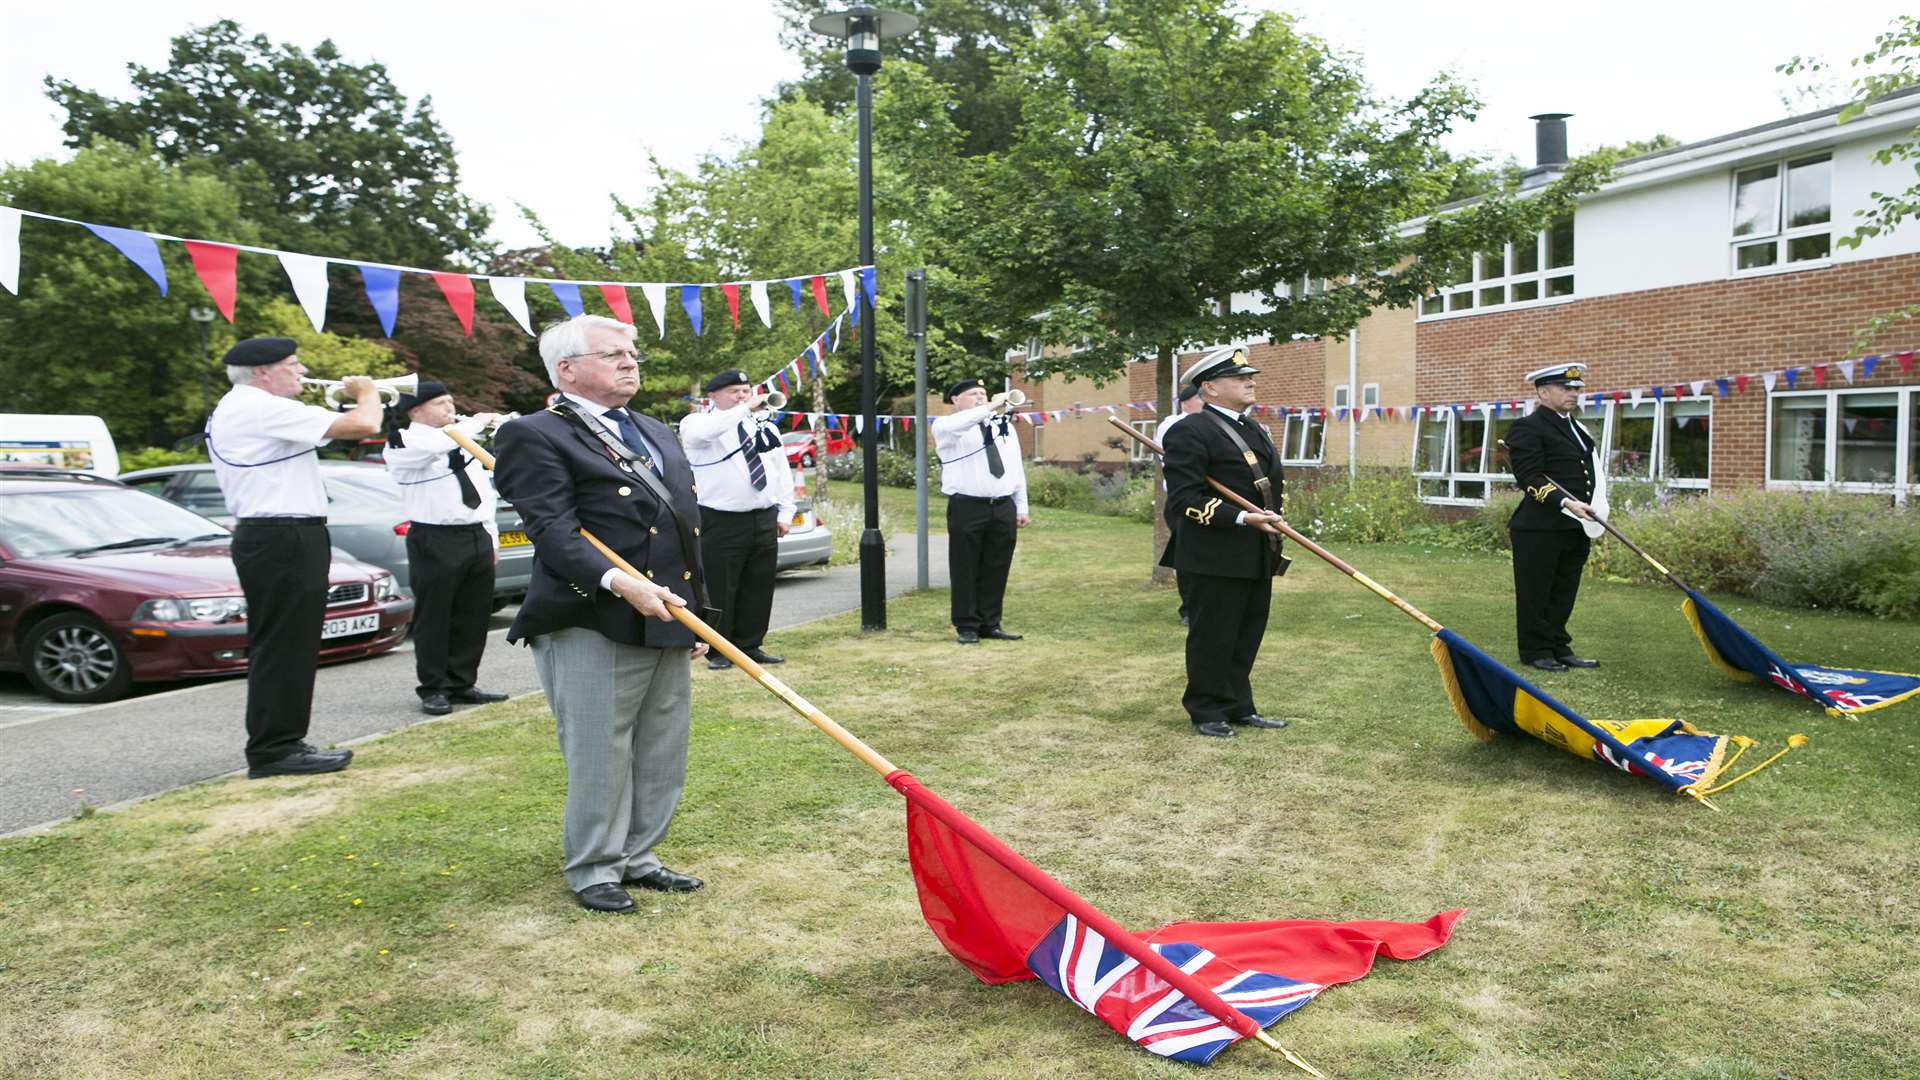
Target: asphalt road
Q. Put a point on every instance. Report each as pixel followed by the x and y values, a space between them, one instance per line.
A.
pixel 56 759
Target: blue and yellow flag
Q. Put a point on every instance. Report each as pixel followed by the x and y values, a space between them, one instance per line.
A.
pixel 1492 701
pixel 1841 691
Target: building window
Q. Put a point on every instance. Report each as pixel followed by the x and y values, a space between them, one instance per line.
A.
pixel 1137 450
pixel 1459 457
pixel 1303 436
pixel 1779 223
pixel 1454 461
pixel 1342 396
pixel 1510 275
pixel 1370 395
pixel 1847 440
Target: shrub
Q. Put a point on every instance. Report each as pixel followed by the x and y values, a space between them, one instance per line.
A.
pixel 152 457
pixel 896 468
pixel 1059 488
pixel 1378 506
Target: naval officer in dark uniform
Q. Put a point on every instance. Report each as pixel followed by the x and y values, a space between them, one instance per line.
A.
pixel 1553 461
pixel 1229 555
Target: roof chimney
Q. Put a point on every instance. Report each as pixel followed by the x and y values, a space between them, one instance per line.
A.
pixel 1549 148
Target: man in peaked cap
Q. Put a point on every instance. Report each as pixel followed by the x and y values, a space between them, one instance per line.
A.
pixel 1230 556
pixel 1553 461
pixel 452 544
pixel 264 447
pixel 986 487
pixel 746 506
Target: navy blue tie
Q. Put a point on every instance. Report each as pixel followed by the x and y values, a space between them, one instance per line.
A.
pixel 749 449
pixel 630 434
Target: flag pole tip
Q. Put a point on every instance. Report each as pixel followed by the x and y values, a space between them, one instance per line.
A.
pixel 1273 1044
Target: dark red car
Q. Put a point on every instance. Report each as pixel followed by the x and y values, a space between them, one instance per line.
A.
pixel 102 586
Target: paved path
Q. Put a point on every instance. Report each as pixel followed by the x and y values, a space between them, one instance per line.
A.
pixel 54 759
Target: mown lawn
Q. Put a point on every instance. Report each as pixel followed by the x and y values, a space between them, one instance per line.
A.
pixel 407 917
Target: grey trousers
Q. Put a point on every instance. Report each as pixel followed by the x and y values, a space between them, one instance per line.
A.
pixel 621 712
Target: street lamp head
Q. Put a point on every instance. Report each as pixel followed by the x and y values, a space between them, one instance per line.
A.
pixel 200 314
pixel 863 28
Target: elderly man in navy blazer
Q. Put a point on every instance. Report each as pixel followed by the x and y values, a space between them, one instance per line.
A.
pixel 610 656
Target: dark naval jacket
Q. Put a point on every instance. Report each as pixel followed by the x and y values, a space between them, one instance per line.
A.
pixel 1543 446
pixel 561 478
pixel 1210 542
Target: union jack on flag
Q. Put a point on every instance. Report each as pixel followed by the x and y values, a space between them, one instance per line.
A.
pixel 1081 966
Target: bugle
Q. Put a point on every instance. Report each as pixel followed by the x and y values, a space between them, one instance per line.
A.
pixel 1010 399
pixel 390 389
pixel 772 399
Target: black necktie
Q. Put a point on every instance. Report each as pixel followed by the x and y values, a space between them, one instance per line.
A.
pixel 994 464
pixel 630 434
pixel 756 472
pixel 468 493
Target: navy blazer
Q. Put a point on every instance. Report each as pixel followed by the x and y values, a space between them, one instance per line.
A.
pixel 1542 446
pixel 561 479
pixel 1209 541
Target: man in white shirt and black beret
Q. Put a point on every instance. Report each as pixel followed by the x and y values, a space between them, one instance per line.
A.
pixel 265 449
pixel 986 488
pixel 452 544
pixel 746 506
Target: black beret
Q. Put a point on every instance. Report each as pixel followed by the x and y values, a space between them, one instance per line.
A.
pixel 260 351
pixel 425 392
pixel 960 387
pixel 1189 393
pixel 724 380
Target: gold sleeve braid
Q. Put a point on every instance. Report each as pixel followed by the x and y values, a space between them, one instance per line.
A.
pixel 1204 514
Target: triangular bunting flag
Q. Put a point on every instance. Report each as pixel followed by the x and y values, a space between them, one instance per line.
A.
pixel 10 249
pixel 512 295
pixel 819 285
pixel 616 298
pixel 139 249
pixel 1905 360
pixel 846 290
pixel 794 285
pixel 757 295
pixel 690 301
pixel 1768 378
pixel 1636 396
pixel 1740 383
pixel 1867 364
pixel 382 284
pixel 1699 387
pixel 1819 374
pixel 732 293
pixel 1846 369
pixel 867 280
pixel 214 263
pixel 656 294
pixel 308 275
pixel 1792 376
pixel 1720 387
pixel 568 294
pixel 458 289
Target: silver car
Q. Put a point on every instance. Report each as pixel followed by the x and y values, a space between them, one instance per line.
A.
pixel 363 516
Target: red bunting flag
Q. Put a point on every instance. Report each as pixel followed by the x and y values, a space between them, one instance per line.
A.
pixel 1679 391
pixel 616 297
pixel 819 284
pixel 732 293
pixel 1819 374
pixel 1906 362
pixel 1740 383
pixel 458 289
pixel 214 263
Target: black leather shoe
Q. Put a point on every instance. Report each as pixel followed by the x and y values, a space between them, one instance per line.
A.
pixel 605 896
pixel 1574 661
pixel 969 637
pixel 303 761
pixel 716 662
pixel 762 657
pixel 996 634
pixel 473 695
pixel 1547 663
pixel 436 705
pixel 1256 720
pixel 661 879
pixel 1214 729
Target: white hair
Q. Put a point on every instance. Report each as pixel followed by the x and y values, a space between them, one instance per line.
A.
pixel 564 339
pixel 240 376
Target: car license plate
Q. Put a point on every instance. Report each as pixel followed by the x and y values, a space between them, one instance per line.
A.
pixel 352 624
pixel 514 538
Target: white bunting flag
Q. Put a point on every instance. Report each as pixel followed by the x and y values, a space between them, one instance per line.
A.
pixel 1699 386
pixel 1636 397
pixel 847 286
pixel 757 292
pixel 512 294
pixel 10 249
pixel 1770 378
pixel 308 273
pixel 859 424
pixel 656 294
pixel 1846 368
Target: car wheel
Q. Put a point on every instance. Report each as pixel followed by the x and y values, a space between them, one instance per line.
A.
pixel 806 462
pixel 71 657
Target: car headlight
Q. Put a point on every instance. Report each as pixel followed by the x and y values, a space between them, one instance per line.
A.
pixel 386 588
pixel 200 608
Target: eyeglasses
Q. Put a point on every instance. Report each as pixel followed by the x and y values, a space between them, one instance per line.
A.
pixel 609 354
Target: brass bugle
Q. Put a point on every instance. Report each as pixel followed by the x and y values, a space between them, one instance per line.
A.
pixel 1011 399
pixel 390 389
pixel 772 399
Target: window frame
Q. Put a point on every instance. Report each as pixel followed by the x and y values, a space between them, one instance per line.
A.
pixel 1487 478
pixel 1479 280
pixel 1309 422
pixel 1782 235
pixel 1904 486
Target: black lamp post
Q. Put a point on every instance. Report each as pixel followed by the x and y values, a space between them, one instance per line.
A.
pixel 204 317
pixel 863 28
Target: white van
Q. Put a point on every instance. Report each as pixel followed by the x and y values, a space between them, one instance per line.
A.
pixel 64 442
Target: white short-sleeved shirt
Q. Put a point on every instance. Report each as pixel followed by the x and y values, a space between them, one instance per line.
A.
pixel 263 454
pixel 964 469
pixel 712 442
pixel 429 492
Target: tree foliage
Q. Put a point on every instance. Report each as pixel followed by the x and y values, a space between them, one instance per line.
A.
pixel 328 156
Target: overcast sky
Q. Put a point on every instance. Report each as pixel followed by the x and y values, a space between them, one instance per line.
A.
pixel 555 108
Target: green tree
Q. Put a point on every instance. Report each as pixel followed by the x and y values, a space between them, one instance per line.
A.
pixel 1892 64
pixel 328 156
pixel 89 333
pixel 326 355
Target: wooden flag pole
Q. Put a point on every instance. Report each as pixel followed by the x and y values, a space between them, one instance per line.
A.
pixel 1294 534
pixel 1618 535
pixel 725 648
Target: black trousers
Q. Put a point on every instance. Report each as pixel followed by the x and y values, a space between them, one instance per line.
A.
pixel 1227 618
pixel 1546 579
pixel 1184 583
pixel 283 572
pixel 980 537
pixel 450 568
pixel 740 549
